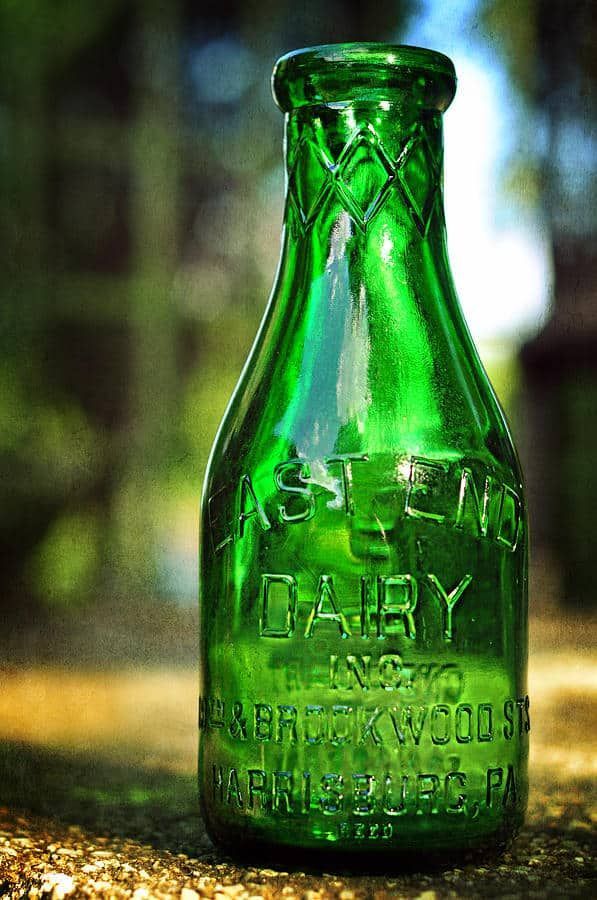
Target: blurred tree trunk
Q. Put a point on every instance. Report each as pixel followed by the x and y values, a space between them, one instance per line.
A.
pixel 153 321
pixel 561 363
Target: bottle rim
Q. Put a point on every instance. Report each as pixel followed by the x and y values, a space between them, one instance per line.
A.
pixel 343 74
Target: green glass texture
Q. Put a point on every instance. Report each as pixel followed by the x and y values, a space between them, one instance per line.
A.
pixel 364 539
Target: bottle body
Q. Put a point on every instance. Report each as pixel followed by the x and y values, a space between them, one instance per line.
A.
pixel 363 560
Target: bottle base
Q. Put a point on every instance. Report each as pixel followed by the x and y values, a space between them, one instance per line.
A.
pixel 364 858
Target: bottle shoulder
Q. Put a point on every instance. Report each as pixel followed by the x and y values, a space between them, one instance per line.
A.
pixel 268 418
pixel 357 360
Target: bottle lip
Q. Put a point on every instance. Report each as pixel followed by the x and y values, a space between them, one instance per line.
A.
pixel 367 72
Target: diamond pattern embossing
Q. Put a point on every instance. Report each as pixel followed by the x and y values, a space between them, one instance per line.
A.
pixel 419 176
pixel 363 177
pixel 308 183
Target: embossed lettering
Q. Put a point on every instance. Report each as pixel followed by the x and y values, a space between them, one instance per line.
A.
pixel 509 518
pixel 326 594
pixel 468 488
pixel 250 507
pixel 220 527
pixel 421 473
pixel 510 791
pixel 429 680
pixel 286 722
pixel 389 805
pixel 413 724
pixel 216 711
pixel 468 498
pixel 363 794
pixel 463 727
pixel 484 722
pixel 448 601
pixel 218 782
pixel 455 780
pixel 403 607
pixel 363 790
pixel 509 723
pixel 233 794
pixel 282 791
pixel 440 724
pixel 257 787
pixel 332 798
pixel 306 805
pixel 263 722
pixel 494 779
pixel 286 628
pixel 370 729
pixel 415 721
pixel 522 705
pixel 396 720
pixel 238 725
pixel 516 724
pixel 360 667
pixel 390 668
pixel 396 602
pixel 340 712
pixel 427 788
pixel 299 470
pixel 314 734
pixel 346 460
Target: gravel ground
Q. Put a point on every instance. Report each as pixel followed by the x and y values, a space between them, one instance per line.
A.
pixel 97 802
pixel 40 857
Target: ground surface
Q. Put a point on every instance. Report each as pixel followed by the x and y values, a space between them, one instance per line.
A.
pixel 98 793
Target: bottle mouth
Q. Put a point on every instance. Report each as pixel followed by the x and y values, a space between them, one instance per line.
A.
pixel 343 74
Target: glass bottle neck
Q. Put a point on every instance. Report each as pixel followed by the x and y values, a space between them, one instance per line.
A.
pixel 372 169
pixel 364 297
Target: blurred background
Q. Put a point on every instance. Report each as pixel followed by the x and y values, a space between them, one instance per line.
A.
pixel 142 187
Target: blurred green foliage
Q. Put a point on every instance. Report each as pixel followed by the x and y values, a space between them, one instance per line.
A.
pixel 64 565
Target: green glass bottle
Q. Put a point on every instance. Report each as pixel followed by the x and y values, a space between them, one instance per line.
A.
pixel 364 538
